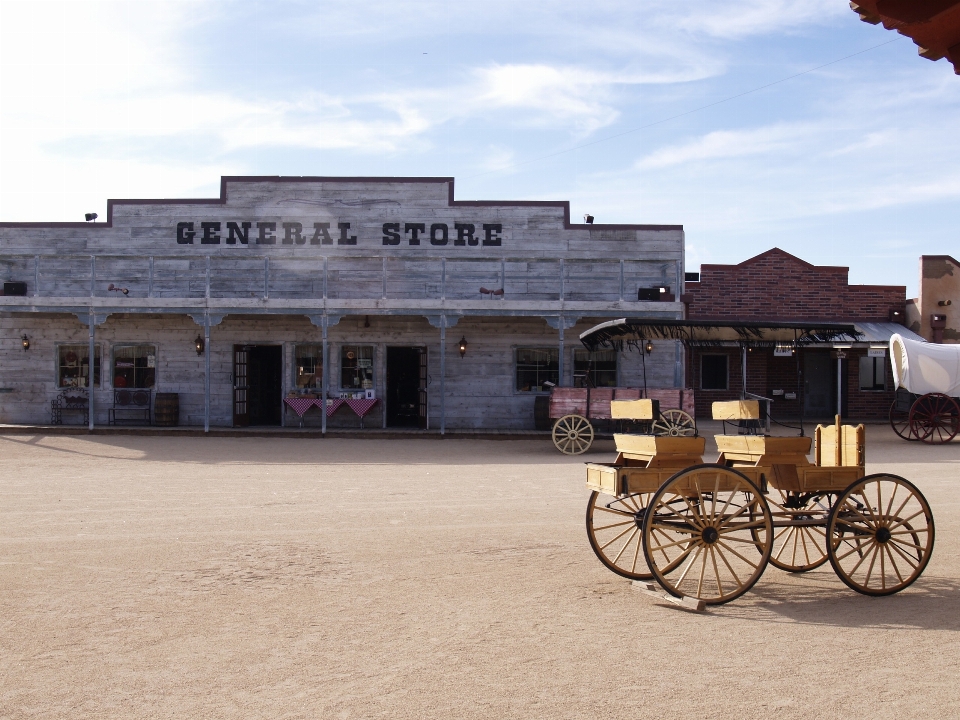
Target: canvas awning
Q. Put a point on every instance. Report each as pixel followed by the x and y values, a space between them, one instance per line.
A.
pixel 709 333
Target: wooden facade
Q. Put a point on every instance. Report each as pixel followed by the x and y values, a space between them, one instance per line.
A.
pixel 332 262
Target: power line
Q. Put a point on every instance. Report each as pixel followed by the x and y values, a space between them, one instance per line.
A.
pixel 679 115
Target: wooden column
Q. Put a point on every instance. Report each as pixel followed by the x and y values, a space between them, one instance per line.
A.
pixel 323 373
pixel 206 372
pixel 443 374
pixel 560 365
pixel 91 368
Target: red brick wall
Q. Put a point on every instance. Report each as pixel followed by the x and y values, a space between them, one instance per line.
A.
pixel 778 286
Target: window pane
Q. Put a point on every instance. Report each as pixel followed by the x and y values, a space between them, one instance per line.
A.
pixel 308 368
pixel 73 366
pixel 873 373
pixel 356 367
pixel 713 372
pixel 134 366
pixel 535 366
pixel 594 369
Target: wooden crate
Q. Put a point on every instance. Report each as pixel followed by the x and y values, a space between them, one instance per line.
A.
pixel 661 451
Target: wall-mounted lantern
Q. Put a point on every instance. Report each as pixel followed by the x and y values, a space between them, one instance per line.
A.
pixel 25 341
pixel 648 347
pixel 198 344
pixel 463 345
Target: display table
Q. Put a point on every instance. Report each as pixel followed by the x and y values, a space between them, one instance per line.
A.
pixel 300 405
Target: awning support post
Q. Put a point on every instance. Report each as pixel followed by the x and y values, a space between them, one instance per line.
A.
pixel 91 372
pixel 206 373
pixel 323 378
pixel 443 374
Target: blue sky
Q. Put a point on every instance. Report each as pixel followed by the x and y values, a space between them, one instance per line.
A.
pixel 855 164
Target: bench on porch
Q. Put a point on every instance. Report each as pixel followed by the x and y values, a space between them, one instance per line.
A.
pixel 132 406
pixel 73 399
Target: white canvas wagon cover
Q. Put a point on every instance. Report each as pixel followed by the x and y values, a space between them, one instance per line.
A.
pixel 922 367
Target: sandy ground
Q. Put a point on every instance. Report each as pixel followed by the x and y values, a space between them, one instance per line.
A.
pixel 293 578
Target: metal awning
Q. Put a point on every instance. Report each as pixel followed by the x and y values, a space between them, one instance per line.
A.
pixel 879 334
pixel 715 333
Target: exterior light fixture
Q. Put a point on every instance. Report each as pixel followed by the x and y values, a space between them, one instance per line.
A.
pixel 198 343
pixel 588 219
pixel 648 347
pixel 463 346
pixel 25 341
pixel 115 288
pixel 90 217
pixel 945 303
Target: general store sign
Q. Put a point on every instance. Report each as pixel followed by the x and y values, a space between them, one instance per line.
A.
pixel 215 232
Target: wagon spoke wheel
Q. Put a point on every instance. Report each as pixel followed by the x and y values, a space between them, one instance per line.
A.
pixel 799 530
pixel 935 418
pixel 707 534
pixel 573 434
pixel 900 422
pixel 881 534
pixel 613 528
pixel 675 423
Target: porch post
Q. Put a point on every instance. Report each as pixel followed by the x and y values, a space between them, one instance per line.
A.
pixel 91 371
pixel 206 373
pixel 560 364
pixel 443 374
pixel 323 379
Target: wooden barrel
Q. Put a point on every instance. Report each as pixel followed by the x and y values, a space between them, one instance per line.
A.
pixel 166 409
pixel 541 412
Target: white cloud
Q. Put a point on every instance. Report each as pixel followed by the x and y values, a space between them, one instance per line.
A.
pixel 726 144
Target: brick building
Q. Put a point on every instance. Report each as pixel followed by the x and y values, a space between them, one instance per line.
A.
pixel 776 285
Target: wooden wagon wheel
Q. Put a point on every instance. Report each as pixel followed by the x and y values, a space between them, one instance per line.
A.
pixel 900 422
pixel 613 528
pixel 799 530
pixel 935 418
pixel 573 434
pixel 881 534
pixel 675 423
pixel 702 531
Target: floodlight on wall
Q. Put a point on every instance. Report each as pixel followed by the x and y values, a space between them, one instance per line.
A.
pixel 463 345
pixel 945 303
pixel 90 217
pixel 114 288
pixel 588 219
pixel 198 344
pixel 648 347
pixel 25 341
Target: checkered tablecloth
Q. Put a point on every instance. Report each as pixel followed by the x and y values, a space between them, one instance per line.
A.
pixel 361 407
pixel 300 405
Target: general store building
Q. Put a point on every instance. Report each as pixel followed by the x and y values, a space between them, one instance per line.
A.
pixel 449 314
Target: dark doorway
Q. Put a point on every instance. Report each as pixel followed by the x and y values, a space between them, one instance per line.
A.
pixel 264 373
pixel 820 385
pixel 406 387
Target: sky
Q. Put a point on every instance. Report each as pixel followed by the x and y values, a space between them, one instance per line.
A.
pixel 649 111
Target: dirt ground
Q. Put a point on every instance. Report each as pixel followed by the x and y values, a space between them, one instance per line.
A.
pixel 153 577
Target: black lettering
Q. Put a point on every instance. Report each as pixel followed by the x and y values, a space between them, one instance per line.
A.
pixel 442 240
pixel 236 233
pixel 465 233
pixel 210 233
pixel 185 233
pixel 490 238
pixel 343 239
pixel 321 234
pixel 414 229
pixel 391 233
pixel 266 233
pixel 291 233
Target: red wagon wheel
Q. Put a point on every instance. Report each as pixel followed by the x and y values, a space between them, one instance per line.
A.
pixel 935 418
pixel 900 422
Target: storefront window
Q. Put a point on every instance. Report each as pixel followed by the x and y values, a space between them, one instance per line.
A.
pixel 536 366
pixel 873 373
pixel 594 369
pixel 309 366
pixel 713 372
pixel 356 367
pixel 73 366
pixel 134 366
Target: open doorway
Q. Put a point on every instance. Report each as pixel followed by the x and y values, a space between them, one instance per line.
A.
pixel 820 384
pixel 406 387
pixel 258 385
